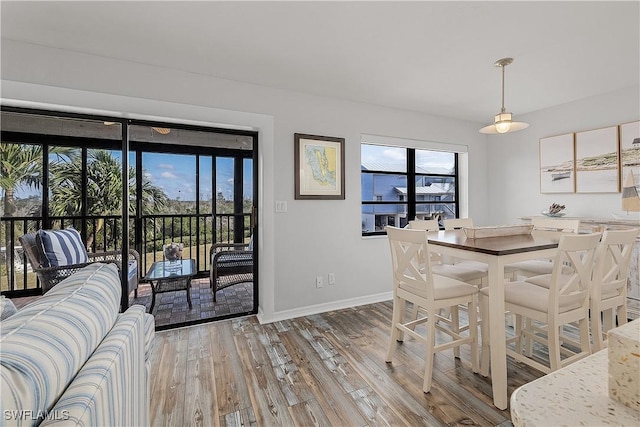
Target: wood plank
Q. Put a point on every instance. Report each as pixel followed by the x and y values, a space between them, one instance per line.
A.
pixel 169 390
pixel 309 413
pixel 232 394
pixel 264 387
pixel 200 407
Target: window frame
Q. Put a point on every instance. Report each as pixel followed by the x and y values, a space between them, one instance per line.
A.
pixel 410 199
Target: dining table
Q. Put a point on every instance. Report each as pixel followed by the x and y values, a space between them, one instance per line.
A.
pixel 496 252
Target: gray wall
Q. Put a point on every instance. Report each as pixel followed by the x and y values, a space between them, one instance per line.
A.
pixel 313 237
pixel 513 159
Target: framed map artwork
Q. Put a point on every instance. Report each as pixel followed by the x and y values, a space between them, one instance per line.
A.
pixel 319 167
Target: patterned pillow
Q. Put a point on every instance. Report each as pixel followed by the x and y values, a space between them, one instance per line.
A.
pixel 62 247
pixel 7 308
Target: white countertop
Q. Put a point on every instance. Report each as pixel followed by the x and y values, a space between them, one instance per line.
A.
pixel 576 395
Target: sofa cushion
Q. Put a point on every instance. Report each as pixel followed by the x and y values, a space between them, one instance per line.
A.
pixel 62 247
pixel 44 345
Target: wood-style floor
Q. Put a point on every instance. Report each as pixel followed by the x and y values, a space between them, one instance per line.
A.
pixel 321 370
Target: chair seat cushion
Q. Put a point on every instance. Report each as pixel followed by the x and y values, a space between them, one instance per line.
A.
pixel 133 269
pixel 535 267
pixel 62 247
pixel 233 259
pixel 444 288
pixel 458 272
pixel 475 265
pixel 529 295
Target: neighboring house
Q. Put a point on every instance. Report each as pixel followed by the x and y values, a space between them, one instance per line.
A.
pixel 381 185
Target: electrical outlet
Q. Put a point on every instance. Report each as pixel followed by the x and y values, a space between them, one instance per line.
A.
pixel 319 283
pixel 281 206
pixel 332 279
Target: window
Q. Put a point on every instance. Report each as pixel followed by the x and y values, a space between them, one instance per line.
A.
pixel 400 184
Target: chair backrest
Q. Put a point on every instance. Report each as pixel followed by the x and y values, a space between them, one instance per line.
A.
pixel 424 224
pixel 577 251
pixel 454 223
pixel 613 261
pixel 410 260
pixel 33 250
pixel 556 224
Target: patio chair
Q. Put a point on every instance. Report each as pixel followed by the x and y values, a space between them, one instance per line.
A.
pixel 231 264
pixel 53 271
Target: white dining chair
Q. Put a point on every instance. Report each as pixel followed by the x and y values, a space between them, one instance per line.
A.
pixel 424 224
pixel 414 281
pixel 457 224
pixel 469 273
pixel 609 285
pixel 565 301
pixel 537 267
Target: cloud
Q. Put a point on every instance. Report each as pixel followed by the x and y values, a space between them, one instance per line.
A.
pixel 168 175
pixel 395 154
pixel 166 166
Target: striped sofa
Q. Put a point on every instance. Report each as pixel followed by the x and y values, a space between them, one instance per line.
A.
pixel 70 358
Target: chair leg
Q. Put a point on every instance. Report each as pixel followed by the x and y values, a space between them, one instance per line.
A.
pixel 528 339
pixel 428 368
pixel 455 327
pixel 608 319
pixel 519 333
pixel 585 343
pixel 622 314
pixel 484 332
pixel 473 332
pixel 396 318
pixel 554 347
pixel 596 330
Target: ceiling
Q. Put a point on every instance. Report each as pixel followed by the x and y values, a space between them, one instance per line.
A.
pixel 430 57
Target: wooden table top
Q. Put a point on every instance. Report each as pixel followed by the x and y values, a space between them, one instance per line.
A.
pixel 503 245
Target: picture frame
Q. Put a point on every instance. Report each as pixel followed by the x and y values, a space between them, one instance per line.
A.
pixel 319 167
pixel 630 151
pixel 598 161
pixel 557 164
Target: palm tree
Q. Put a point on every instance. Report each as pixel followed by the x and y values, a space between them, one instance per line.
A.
pixel 19 165
pixel 103 187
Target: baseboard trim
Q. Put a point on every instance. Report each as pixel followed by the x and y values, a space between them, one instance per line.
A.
pixel 322 308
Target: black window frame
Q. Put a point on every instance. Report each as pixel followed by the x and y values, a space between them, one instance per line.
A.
pixel 410 201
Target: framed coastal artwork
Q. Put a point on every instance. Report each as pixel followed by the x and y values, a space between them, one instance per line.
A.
pixel 319 167
pixel 557 164
pixel 597 161
pixel 630 151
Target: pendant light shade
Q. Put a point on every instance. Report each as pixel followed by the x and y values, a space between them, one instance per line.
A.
pixel 503 122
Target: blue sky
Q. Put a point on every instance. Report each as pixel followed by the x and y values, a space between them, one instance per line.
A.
pixel 176 175
pixel 394 155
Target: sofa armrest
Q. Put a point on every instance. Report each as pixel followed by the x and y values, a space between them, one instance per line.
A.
pixel 112 388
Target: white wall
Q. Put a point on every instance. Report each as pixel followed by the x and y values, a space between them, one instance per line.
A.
pixel 513 158
pixel 313 237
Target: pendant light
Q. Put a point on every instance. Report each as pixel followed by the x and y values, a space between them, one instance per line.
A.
pixel 503 122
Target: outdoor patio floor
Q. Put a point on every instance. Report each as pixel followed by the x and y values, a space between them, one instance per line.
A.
pixel 172 309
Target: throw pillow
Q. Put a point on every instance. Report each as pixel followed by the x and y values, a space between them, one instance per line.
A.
pixel 7 308
pixel 62 247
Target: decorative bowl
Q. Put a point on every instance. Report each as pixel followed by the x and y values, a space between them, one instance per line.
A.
pixel 173 251
pixel 553 215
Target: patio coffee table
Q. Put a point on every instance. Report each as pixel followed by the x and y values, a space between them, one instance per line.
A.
pixel 171 276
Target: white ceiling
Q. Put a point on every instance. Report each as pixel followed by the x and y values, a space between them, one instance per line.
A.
pixel 431 57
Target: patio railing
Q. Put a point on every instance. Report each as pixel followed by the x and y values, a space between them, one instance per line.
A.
pixel 104 233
